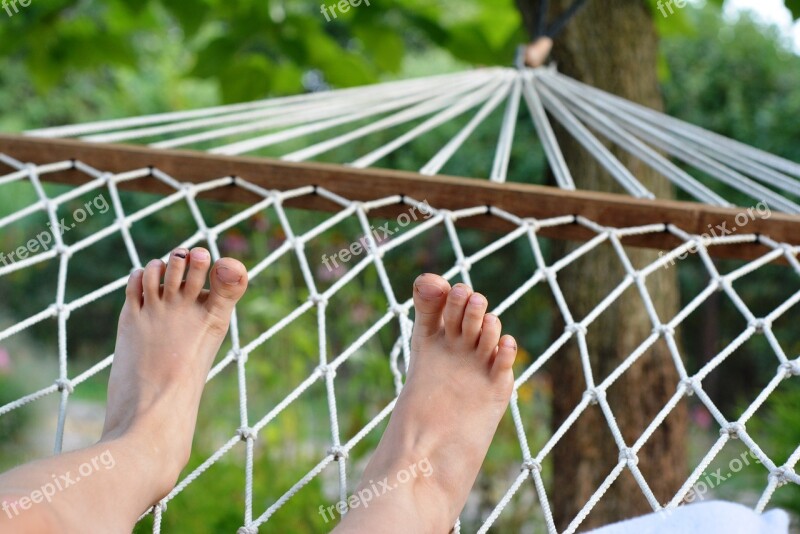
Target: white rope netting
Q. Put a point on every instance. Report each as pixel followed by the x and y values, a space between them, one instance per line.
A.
pixel 395 318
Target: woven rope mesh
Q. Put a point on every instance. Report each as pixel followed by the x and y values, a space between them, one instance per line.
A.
pixel 317 350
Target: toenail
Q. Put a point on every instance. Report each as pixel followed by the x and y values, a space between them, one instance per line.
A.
pixel 200 255
pixel 477 300
pixel 228 276
pixel 490 318
pixel 155 263
pixel 181 253
pixel 509 343
pixel 429 291
pixel 459 292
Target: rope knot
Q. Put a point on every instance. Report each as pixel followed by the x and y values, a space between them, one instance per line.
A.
pixel 51 206
pixel 326 370
pixel 160 507
pixel 238 355
pixel 464 264
pixel 733 430
pixel 318 299
pixel 247 530
pixel 664 330
pixel 246 433
pixel 62 309
pixel 533 225
pixel 689 385
pixel 594 395
pixel 791 368
pixel 64 250
pixel 531 465
pixel 759 325
pixel 189 189
pixel 627 455
pixel 399 310
pixel 782 475
pixel 65 384
pixel 575 328
pixel 723 284
pixel 550 274
pixel 338 453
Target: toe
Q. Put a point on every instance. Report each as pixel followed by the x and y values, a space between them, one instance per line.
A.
pixel 430 291
pixel 473 319
pixel 175 270
pixel 199 262
pixel 133 292
pixel 454 310
pixel 489 335
pixel 151 281
pixel 506 353
pixel 228 284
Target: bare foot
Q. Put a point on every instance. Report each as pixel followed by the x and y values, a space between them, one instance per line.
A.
pixel 167 340
pixel 459 385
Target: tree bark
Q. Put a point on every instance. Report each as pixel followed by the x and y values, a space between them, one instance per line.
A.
pixel 613 45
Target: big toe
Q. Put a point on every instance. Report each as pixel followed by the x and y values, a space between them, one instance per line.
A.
pixel 430 292
pixel 228 284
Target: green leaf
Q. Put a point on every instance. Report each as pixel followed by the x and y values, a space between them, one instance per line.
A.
pixel 794 7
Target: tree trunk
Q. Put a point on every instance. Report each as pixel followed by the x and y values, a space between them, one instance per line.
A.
pixel 613 46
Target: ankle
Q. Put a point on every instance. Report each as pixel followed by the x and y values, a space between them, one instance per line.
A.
pixel 150 457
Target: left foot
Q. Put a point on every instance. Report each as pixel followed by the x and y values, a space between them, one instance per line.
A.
pixel 168 337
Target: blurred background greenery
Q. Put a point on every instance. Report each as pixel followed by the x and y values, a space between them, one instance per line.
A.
pixel 67 62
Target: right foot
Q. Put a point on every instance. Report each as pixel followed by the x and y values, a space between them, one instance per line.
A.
pixel 459 385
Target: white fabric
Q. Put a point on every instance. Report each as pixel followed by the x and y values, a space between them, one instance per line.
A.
pixel 704 518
